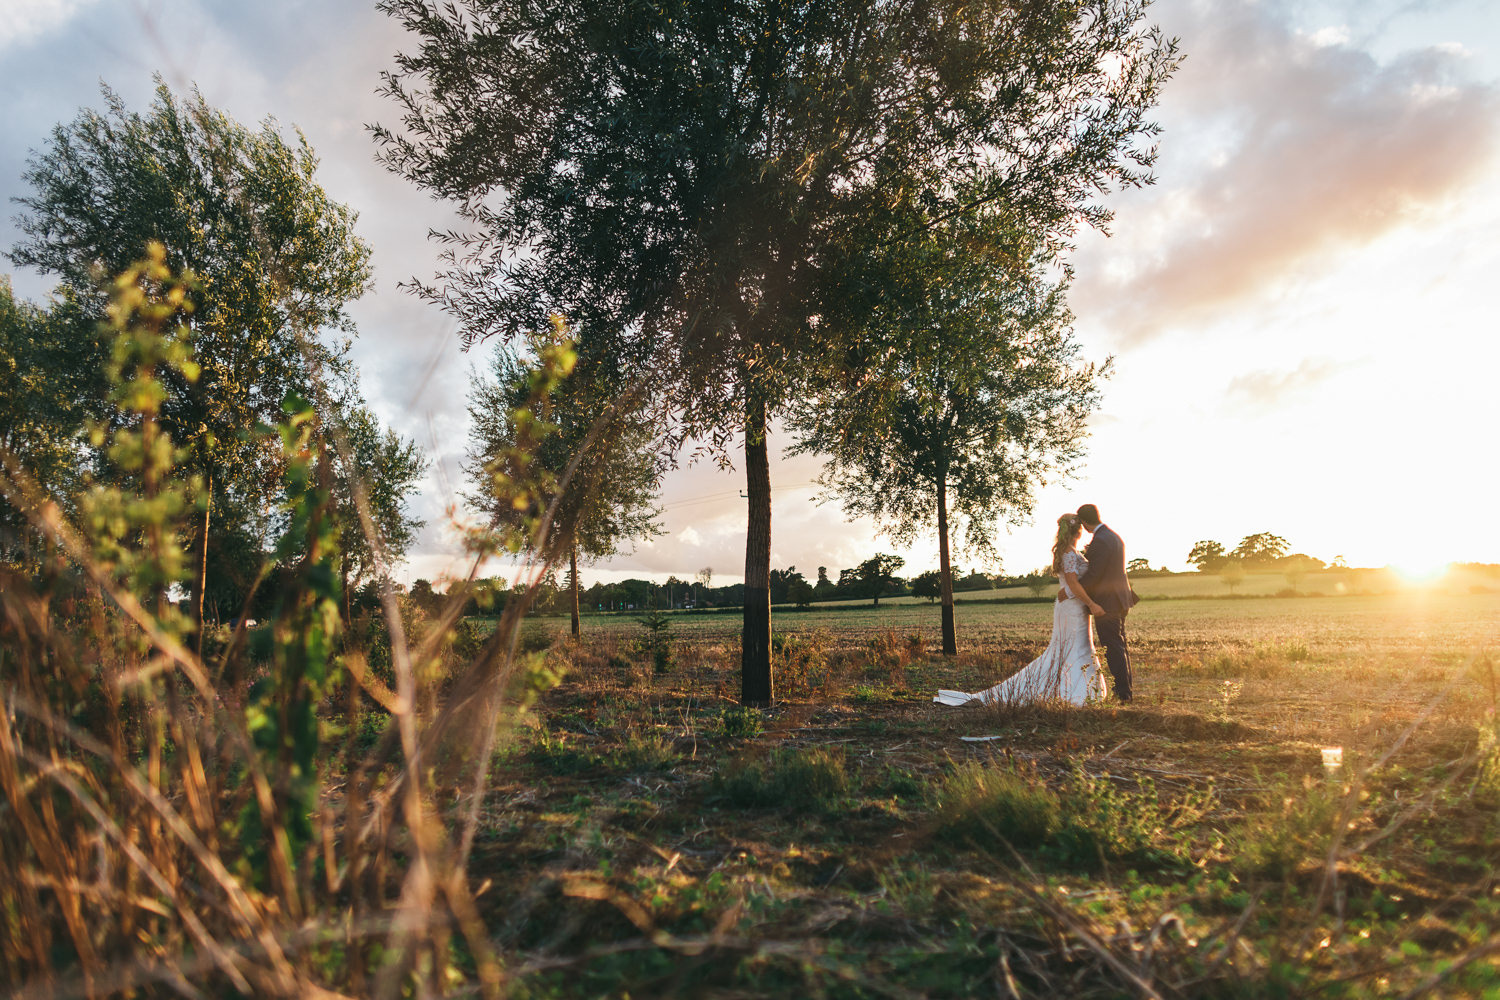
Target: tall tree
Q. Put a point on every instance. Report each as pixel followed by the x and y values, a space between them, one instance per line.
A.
pixel 51 378
pixel 596 455
pixel 274 258
pixel 971 395
pixel 1260 549
pixel 876 574
pixel 685 175
pixel 1208 555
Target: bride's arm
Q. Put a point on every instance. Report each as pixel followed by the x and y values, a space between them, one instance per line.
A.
pixel 1083 595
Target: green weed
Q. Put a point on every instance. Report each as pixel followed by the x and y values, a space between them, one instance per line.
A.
pixel 740 721
pixel 797 779
pixel 978 803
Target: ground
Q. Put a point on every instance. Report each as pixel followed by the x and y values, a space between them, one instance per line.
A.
pixel 643 836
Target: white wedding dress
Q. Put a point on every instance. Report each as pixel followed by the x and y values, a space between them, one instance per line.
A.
pixel 1068 670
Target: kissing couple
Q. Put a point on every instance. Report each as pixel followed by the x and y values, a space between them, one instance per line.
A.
pixel 1093 585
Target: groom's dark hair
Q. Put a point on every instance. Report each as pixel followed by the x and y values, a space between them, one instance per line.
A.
pixel 1088 514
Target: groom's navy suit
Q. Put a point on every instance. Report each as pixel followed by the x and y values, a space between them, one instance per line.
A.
pixel 1107 584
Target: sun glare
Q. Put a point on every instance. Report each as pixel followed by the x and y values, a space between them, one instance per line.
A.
pixel 1419 570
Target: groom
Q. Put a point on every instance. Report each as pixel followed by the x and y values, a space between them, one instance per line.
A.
pixel 1105 582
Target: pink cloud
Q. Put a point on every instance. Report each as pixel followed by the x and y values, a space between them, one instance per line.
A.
pixel 1305 144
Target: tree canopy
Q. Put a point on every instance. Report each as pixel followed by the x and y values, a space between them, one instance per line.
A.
pixel 594 451
pixel 272 263
pixel 965 394
pixel 686 179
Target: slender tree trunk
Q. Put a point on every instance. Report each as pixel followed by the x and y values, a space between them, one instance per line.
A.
pixel 755 645
pixel 202 581
pixel 573 568
pixel 945 573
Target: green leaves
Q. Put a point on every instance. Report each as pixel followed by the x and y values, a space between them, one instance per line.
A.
pixel 132 518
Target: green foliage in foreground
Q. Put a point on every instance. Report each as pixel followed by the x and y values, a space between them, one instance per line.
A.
pixel 1090 821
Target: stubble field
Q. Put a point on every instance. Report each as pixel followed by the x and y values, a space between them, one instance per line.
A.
pixel 646 837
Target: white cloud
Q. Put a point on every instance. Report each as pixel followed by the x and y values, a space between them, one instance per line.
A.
pixel 27 20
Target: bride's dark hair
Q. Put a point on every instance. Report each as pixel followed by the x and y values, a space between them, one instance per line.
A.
pixel 1068 530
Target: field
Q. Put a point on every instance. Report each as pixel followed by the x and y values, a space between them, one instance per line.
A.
pixel 644 837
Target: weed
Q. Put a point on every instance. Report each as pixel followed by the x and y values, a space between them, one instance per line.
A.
pixel 902 784
pixel 1104 821
pixel 1090 820
pixel 866 694
pixel 1275 842
pixel 979 803
pixel 555 756
pixel 1228 692
pixel 797 779
pixel 658 641
pixel 740 721
pixel 649 752
pixel 801 661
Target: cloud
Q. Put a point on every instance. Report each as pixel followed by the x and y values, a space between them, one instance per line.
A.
pixel 1293 147
pixel 27 20
pixel 1265 389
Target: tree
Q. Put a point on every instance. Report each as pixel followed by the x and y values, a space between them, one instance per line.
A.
pixel 424 597
pixel 825 588
pixel 274 258
pixel 1232 573
pixel 380 470
pixel 782 582
pixel 686 178
pixel 977 398
pixel 1208 556
pixel 1038 580
pixel 875 576
pixel 1260 549
pixel 928 585
pixel 51 371
pixel 800 592
pixel 600 469
pixel 1138 566
pixel 705 577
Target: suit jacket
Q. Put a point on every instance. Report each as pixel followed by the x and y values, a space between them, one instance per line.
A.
pixel 1105 578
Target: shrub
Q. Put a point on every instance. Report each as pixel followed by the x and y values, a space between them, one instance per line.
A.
pixel 647 752
pixel 979 803
pixel 801 661
pixel 796 779
pixel 1105 821
pixel 740 721
pixel 1089 820
pixel 1276 842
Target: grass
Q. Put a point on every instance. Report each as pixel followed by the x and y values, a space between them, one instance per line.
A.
pixel 846 842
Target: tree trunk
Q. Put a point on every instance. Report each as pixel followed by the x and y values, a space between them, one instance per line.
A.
pixel 202 582
pixel 945 573
pixel 573 567
pixel 755 643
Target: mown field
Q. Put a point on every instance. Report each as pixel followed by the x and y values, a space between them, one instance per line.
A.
pixel 644 837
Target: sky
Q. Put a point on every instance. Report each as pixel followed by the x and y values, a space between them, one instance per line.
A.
pixel 1299 308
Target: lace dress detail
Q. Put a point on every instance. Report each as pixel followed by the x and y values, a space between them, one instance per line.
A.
pixel 1075 564
pixel 1067 671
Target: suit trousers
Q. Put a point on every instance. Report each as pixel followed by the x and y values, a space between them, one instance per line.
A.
pixel 1111 629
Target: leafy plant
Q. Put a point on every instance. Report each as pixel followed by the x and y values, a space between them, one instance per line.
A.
pixel 740 721
pixel 795 779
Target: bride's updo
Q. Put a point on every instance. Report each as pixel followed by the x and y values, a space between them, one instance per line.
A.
pixel 1068 530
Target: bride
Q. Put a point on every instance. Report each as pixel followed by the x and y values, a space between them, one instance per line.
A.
pixel 1067 670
